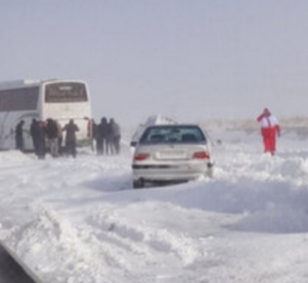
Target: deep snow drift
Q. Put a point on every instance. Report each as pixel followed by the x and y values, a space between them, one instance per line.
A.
pixel 79 220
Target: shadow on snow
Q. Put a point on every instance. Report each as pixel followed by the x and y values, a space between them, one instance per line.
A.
pixel 262 206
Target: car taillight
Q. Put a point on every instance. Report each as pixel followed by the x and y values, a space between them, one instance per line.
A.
pixel 141 156
pixel 201 155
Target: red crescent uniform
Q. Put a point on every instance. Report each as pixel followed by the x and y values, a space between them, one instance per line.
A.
pixel 269 130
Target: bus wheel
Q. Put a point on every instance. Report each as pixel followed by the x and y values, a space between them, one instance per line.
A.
pixel 138 184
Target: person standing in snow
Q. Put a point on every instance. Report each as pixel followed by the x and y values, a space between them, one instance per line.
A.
pixel 115 136
pixel 34 131
pixel 52 136
pixel 60 136
pixel 102 135
pixel 19 137
pixel 70 139
pixel 92 133
pixel 269 130
pixel 41 150
pixel 109 138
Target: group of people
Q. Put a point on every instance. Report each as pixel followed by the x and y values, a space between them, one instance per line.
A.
pixel 49 131
pixel 106 136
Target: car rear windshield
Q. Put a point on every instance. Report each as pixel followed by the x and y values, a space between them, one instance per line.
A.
pixel 173 134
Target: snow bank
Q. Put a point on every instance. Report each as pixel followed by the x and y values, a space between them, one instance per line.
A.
pixel 79 220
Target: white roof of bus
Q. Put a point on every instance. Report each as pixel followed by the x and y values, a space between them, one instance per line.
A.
pixel 22 83
pixel 26 83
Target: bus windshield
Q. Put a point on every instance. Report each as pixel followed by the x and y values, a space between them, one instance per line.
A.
pixel 65 92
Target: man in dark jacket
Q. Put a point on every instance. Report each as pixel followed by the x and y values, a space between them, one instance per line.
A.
pixel 109 140
pixel 34 132
pixel 52 136
pixel 41 151
pixel 60 136
pixel 102 134
pixel 19 138
pixel 70 138
pixel 115 136
pixel 92 133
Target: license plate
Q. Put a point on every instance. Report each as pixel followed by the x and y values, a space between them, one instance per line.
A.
pixel 171 155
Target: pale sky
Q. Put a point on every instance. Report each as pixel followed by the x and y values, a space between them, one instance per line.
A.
pixel 192 60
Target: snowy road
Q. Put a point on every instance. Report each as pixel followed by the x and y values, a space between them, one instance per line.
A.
pixel 79 221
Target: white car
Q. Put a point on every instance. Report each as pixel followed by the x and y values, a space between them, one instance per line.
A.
pixel 171 153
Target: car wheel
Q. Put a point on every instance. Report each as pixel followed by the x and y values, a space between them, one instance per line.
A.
pixel 138 184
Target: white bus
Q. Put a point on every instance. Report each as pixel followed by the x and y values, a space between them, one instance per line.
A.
pixel 60 100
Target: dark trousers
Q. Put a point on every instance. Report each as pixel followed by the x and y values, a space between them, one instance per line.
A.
pixel 19 142
pixel 71 148
pixel 36 142
pixel 117 144
pixel 101 146
pixel 41 150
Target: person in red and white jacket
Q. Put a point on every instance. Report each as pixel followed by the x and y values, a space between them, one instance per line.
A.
pixel 269 130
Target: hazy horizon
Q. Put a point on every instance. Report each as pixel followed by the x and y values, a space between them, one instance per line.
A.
pixel 192 60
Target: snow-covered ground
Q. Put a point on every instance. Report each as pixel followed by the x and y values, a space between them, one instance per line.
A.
pixel 80 221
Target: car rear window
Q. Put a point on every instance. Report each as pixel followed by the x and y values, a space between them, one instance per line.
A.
pixel 172 134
